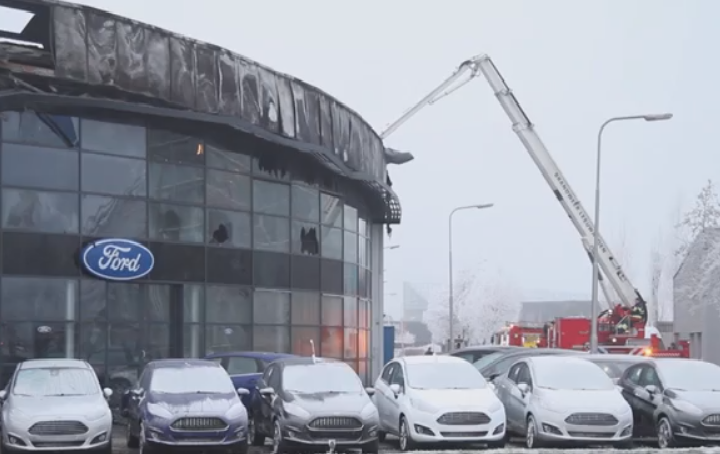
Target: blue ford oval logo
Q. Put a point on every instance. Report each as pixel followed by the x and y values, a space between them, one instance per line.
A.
pixel 117 259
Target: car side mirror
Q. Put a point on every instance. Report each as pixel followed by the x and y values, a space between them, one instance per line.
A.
pixel 107 392
pixel 267 391
pixel 524 388
pixel 242 392
pixel 370 391
pixel 652 389
pixel 396 389
pixel 3 395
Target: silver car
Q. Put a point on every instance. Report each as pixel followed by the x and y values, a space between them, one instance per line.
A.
pixel 564 399
pixel 55 405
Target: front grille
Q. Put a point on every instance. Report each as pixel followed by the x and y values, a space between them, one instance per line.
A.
pixel 712 420
pixel 191 424
pixel 58 428
pixel 343 435
pixel 463 418
pixel 335 422
pixel 591 419
pixel 591 434
pixel 463 434
pixel 57 444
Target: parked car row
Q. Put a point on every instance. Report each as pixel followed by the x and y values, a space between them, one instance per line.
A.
pixel 676 401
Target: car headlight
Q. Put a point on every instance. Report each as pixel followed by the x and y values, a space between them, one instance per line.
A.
pixel 495 405
pixel 421 405
pixel 99 415
pixel 158 411
pixel 369 411
pixel 236 412
pixel 296 410
pixel 685 407
pixel 550 406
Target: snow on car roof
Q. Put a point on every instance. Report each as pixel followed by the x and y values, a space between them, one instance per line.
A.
pixel 427 359
pixel 558 360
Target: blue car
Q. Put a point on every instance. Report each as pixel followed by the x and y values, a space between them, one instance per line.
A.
pixel 186 403
pixel 245 368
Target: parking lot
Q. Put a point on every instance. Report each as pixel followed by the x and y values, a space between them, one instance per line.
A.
pixel 391 447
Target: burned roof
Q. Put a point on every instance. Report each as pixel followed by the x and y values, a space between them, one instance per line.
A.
pixel 71 57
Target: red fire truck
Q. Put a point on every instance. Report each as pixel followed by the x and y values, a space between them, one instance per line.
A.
pixel 519 335
pixel 622 326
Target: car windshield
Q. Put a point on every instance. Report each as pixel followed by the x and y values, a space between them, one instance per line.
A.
pixel 321 378
pixel 614 369
pixel 191 379
pixel 571 375
pixel 56 381
pixel 460 375
pixel 487 360
pixel 690 375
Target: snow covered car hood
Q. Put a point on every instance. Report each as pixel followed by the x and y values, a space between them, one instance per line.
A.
pixel 458 398
pixel 704 400
pixel 610 401
pixel 56 406
pixel 195 404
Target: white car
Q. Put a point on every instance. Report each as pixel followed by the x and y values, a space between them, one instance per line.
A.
pixel 55 405
pixel 564 399
pixel 432 399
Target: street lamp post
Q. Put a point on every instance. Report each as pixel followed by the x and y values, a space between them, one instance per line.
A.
pixel 451 302
pixel 596 232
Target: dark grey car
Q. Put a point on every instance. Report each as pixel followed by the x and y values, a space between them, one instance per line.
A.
pixel 311 404
pixel 677 400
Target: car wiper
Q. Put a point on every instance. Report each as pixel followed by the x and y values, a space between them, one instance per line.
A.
pixel 207 392
pixel 63 395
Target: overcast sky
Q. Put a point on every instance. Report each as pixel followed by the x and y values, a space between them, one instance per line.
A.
pixel 571 64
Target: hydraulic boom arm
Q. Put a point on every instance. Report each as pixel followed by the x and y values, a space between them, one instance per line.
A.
pixel 483 65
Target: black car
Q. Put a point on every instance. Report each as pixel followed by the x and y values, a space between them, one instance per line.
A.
pixel 677 400
pixel 474 353
pixel 614 365
pixel 312 404
pixel 496 364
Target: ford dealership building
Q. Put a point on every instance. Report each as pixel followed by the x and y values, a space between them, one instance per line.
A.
pixel 163 197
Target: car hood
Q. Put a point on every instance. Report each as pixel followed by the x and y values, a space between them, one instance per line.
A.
pixel 705 400
pixel 200 403
pixel 330 402
pixel 586 401
pixel 457 398
pixel 61 406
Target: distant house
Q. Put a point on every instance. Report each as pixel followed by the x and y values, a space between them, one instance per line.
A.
pixel 696 297
pixel 545 311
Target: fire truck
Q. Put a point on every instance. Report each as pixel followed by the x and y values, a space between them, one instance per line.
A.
pixel 620 328
pixel 519 335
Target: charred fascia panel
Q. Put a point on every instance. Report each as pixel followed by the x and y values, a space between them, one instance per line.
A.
pixel 85 59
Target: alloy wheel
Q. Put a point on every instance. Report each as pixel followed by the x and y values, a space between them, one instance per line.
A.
pixel 403 435
pixel 277 435
pixel 251 430
pixel 530 433
pixel 664 434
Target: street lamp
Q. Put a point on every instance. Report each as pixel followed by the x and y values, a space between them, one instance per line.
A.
pixel 451 309
pixel 596 232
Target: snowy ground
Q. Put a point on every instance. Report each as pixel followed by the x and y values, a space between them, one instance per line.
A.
pixel 391 447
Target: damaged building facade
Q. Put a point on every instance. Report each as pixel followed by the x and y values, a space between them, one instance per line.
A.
pixel 162 197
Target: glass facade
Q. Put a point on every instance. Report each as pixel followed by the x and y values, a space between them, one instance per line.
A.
pixel 255 248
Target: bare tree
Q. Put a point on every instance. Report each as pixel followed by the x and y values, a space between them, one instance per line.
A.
pixel 705 214
pixel 482 305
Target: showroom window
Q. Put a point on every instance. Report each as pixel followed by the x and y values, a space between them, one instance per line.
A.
pixel 331 210
pixel 171 147
pixel 102 216
pixel 306 203
pixel 305 308
pixel 228 305
pixel 113 138
pixel 40 129
pixel 176 223
pixel 271 198
pixel 305 238
pixel 49 212
pixel 112 175
pixel 177 183
pixel 228 228
pixel 59 169
pixel 228 190
pixel 331 243
pixel 271 233
pixel 218 158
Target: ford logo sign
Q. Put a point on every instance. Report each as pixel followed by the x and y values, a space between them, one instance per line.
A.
pixel 117 259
